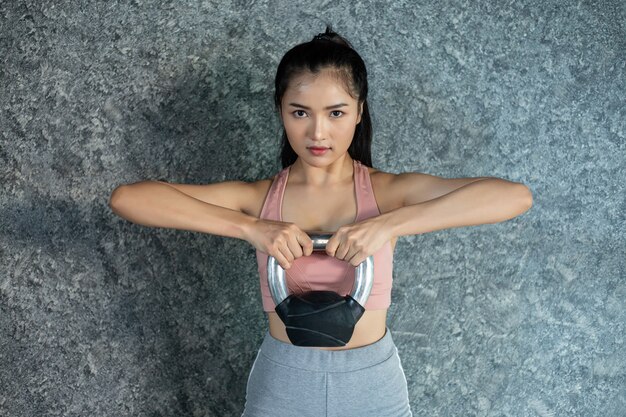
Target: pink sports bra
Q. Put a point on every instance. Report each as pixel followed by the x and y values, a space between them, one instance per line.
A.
pixel 322 272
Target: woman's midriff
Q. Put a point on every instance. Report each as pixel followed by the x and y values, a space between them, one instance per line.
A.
pixel 369 329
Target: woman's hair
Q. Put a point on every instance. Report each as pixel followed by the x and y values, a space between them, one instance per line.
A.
pixel 330 51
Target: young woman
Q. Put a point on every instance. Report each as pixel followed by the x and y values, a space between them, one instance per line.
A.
pixel 327 184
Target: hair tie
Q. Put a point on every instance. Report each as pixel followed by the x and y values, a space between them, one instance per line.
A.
pixel 322 36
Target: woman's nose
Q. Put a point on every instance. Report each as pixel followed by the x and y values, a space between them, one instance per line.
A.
pixel 319 128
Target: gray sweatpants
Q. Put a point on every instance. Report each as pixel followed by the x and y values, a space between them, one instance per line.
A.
pixel 289 381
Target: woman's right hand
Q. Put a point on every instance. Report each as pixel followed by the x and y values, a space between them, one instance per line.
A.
pixel 284 241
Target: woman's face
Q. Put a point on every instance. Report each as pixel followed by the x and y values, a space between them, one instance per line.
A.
pixel 316 111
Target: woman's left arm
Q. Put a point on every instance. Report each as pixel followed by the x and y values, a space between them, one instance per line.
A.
pixel 479 201
pixel 431 203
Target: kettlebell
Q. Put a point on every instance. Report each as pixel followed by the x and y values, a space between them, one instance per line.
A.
pixel 320 318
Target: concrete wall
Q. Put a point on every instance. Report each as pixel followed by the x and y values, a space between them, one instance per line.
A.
pixel 102 317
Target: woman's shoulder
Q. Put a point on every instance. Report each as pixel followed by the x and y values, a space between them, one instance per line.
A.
pixel 385 192
pixel 255 197
pixel 381 178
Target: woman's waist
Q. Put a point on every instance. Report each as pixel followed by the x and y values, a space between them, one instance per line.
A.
pixel 369 329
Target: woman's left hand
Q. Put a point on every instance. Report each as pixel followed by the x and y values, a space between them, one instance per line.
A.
pixel 354 242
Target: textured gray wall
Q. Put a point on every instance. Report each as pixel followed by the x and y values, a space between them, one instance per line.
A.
pixel 102 317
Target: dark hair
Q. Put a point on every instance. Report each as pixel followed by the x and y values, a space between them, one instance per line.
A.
pixel 328 50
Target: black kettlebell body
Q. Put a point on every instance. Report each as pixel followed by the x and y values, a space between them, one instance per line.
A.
pixel 320 318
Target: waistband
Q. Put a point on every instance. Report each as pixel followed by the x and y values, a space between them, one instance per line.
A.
pixel 313 359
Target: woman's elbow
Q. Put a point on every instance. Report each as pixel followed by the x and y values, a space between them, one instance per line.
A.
pixel 526 196
pixel 116 196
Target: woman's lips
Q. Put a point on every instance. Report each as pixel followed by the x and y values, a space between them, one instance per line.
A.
pixel 318 151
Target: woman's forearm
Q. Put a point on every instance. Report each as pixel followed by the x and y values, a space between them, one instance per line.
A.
pixel 154 204
pixel 490 200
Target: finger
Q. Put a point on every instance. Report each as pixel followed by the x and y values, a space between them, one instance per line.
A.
pixel 331 246
pixel 285 257
pixel 354 260
pixel 342 251
pixel 282 261
pixel 295 248
pixel 307 243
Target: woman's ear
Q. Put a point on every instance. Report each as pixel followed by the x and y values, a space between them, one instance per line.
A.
pixel 358 120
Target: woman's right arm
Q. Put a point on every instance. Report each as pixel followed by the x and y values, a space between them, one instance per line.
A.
pixel 213 208
pixel 157 204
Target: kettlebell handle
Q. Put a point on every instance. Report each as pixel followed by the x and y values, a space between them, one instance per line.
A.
pixel 363 275
pixel 320 240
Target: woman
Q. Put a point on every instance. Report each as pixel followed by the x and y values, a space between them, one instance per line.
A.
pixel 327 184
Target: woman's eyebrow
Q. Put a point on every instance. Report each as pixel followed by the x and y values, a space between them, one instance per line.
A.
pixel 334 106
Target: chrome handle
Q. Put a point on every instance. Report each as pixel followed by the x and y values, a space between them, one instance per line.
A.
pixel 363 275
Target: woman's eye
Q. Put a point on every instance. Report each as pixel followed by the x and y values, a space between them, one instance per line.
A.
pixel 301 113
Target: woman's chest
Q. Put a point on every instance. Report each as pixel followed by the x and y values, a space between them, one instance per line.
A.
pixel 326 210
pixel 330 208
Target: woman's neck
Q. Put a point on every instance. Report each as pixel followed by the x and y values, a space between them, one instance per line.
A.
pixel 338 173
